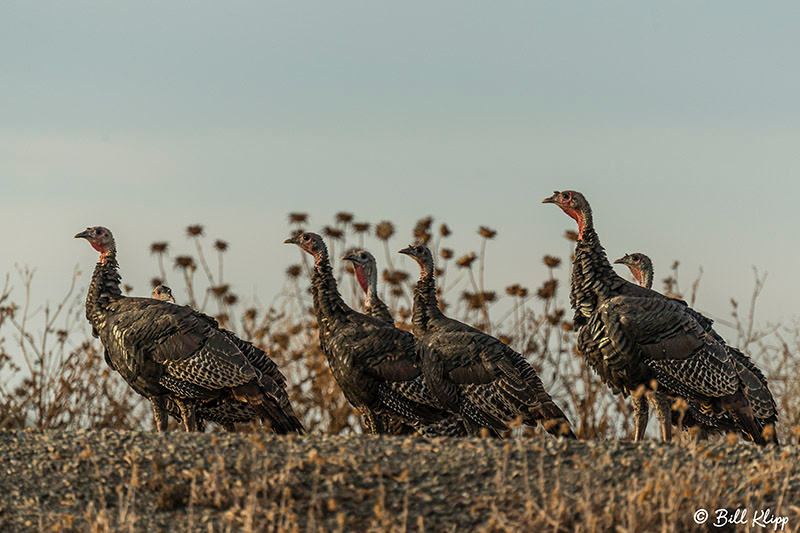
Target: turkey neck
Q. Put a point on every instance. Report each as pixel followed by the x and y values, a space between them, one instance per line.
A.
pixel 328 302
pixel 593 278
pixel 426 305
pixel 104 287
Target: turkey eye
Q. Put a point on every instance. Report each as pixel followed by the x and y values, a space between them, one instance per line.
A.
pixel 97 231
pixel 305 237
pixel 362 256
pixel 565 196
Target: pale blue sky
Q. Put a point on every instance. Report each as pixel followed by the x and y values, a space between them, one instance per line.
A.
pixel 679 121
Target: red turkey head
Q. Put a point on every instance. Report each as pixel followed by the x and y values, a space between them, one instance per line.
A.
pixel 364 266
pixel 573 204
pixel 99 237
pixel 422 255
pixel 308 242
pixel 163 293
pixel 639 265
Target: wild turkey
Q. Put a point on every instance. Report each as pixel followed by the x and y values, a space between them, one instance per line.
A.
pixel 231 411
pixel 632 336
pixel 168 351
pixel 755 384
pixel 366 271
pixel 473 373
pixel 163 293
pixel 374 363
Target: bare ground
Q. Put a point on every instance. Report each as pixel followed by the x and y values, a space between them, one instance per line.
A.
pixel 133 481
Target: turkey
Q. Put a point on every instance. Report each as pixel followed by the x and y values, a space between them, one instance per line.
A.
pixel 163 293
pixel 172 352
pixel 756 388
pixel 473 373
pixel 366 271
pixel 633 336
pixel 374 363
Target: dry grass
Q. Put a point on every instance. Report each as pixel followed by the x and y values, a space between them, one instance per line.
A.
pixel 55 377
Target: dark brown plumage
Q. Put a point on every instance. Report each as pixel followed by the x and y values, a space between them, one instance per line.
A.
pixel 632 336
pixel 755 386
pixel 374 363
pixel 473 373
pixel 366 271
pixel 172 352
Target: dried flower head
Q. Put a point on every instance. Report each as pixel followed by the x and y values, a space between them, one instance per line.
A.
pixel 220 290
pixel 332 233
pixel 552 261
pixel 158 247
pixel 446 253
pixel 155 282
pixel 465 261
pixel 384 230
pixel 220 245
pixel 361 227
pixel 298 218
pixel 195 230
pixel 127 288
pixel 444 230
pixel 486 232
pixel 517 290
pixel 251 313
pixel 571 235
pixel 395 277
pixel 548 289
pixel 293 271
pixel 422 230
pixel 344 217
pixel 479 299
pixel 230 299
pixel 185 261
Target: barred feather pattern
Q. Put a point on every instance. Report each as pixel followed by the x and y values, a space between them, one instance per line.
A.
pixel 164 350
pixel 374 363
pixel 474 373
pixel 635 335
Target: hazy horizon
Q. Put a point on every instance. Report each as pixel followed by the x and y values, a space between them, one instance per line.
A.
pixel 680 123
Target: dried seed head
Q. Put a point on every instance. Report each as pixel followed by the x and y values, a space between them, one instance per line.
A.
pixel 220 290
pixel 552 261
pixel 230 299
pixel 184 262
pixel 332 233
pixel 444 230
pixel 195 230
pixel 446 253
pixel 220 245
pixel 384 230
pixel 361 227
pixel 395 277
pixel 344 217
pixel 571 235
pixel 465 261
pixel 294 271
pixel 298 218
pixel 158 247
pixel 486 232
pixel 127 288
pixel 251 313
pixel 155 282
pixel 548 289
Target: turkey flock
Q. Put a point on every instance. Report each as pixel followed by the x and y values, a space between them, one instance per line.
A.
pixel 444 377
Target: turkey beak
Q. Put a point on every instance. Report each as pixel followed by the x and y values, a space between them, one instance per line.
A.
pixel 349 257
pixel 409 250
pixel 551 199
pixel 292 240
pixel 620 261
pixel 86 234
